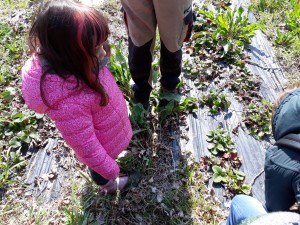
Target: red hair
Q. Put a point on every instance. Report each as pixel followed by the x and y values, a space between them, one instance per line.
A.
pixel 67 33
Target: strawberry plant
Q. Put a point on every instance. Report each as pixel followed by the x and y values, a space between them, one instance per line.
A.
pixel 220 141
pixel 175 103
pixel 257 118
pixel 18 128
pixel 137 115
pixel 215 100
pixel 241 80
pixel 231 179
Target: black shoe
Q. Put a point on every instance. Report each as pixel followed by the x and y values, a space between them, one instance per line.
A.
pixel 141 96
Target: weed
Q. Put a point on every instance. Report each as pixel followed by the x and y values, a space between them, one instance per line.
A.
pixel 119 68
pixel 293 16
pixel 257 118
pixel 215 100
pixel 283 17
pixel 285 39
pixel 16 159
pixel 181 196
pixel 269 6
pixel 11 40
pixel 8 94
pixel 5 74
pixel 227 31
pixel 74 214
pixel 4 31
pixel 8 164
pixel 11 47
pixel 13 4
pixel 36 216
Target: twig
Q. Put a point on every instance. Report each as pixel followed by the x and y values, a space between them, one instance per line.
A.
pixel 262 67
pixel 128 219
pixel 260 172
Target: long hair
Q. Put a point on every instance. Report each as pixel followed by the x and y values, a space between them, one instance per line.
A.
pixel 66 34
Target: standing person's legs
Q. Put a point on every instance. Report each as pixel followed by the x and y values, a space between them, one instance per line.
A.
pixel 140 60
pixel 141 23
pixel 243 207
pixel 174 19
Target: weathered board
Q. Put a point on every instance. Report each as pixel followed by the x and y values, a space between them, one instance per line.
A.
pixel 42 164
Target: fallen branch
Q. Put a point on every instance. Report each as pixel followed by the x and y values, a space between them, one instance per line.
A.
pixel 260 172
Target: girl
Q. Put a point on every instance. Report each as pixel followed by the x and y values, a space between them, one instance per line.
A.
pixel 64 80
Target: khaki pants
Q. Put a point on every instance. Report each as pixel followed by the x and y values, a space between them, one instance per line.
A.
pixel 171 16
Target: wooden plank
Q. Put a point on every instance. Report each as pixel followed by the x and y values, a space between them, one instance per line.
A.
pixel 41 165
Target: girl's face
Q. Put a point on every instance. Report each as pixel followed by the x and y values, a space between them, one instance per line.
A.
pixel 100 52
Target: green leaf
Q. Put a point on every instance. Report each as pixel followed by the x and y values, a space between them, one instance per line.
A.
pixel 217 169
pixel 14 143
pixel 220 147
pixel 170 96
pixel 7 95
pixel 240 173
pixel 217 178
pixel 34 135
pixel 246 189
pixel 214 151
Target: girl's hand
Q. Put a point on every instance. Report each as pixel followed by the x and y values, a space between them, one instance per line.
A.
pixel 106 47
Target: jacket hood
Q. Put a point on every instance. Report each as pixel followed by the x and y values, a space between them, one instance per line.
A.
pixel 287 115
pixel 31 75
pixel 54 87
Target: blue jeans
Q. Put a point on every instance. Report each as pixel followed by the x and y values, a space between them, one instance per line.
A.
pixel 243 207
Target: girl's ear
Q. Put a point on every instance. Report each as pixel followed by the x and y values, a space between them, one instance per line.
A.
pixel 106 47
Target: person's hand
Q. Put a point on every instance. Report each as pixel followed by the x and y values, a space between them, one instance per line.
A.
pixel 106 47
pixel 113 185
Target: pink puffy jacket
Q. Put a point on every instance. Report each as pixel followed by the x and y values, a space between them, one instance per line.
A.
pixel 97 134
